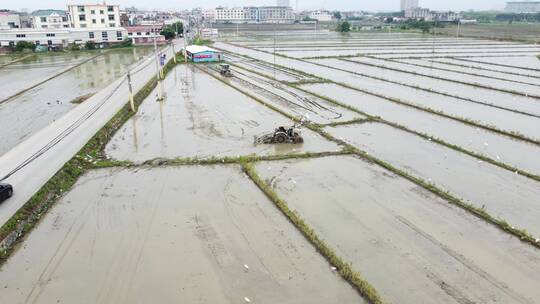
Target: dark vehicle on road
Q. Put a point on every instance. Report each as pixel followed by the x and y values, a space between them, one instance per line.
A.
pixel 6 191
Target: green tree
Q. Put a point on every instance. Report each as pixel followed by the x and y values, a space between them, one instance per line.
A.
pixel 337 15
pixel 24 45
pixel 170 31
pixel 90 45
pixel 344 27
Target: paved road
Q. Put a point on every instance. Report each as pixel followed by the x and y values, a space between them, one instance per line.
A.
pixel 69 133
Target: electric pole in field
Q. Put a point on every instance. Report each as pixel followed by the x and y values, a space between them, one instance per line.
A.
pixel 160 84
pixel 131 101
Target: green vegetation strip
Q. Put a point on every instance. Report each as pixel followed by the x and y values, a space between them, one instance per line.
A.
pixel 345 269
pixel 31 212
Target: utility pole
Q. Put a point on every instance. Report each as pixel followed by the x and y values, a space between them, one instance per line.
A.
pixel 131 101
pixel 160 84
pixel 274 51
pixel 458 28
pixel 185 41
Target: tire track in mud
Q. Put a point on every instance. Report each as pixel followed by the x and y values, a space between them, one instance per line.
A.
pixel 448 288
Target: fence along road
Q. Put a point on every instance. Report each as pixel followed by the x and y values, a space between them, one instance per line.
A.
pixel 29 165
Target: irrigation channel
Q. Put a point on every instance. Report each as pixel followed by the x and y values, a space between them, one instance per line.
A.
pixel 408 188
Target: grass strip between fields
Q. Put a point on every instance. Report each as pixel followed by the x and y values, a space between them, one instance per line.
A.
pixel 345 269
pixel 31 212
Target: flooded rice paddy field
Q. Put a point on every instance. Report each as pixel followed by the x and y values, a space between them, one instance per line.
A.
pixel 161 236
pixel 203 117
pixel 412 246
pixel 473 64
pixel 27 113
pixel 469 137
pixel 500 192
pixel 294 102
pixel 208 234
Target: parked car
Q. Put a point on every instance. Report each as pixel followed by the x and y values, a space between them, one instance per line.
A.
pixel 6 191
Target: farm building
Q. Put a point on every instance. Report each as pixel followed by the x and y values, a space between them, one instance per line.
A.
pixel 199 53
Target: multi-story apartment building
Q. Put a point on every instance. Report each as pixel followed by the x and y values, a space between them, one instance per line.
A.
pixel 50 19
pixel 276 14
pixel 253 14
pixel 428 15
pixel 233 15
pixel 523 7
pixel 408 4
pixel 94 15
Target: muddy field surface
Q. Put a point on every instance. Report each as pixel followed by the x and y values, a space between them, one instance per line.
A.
pixel 485 114
pixel 290 100
pixel 196 121
pixel 266 69
pixel 530 62
pixel 510 101
pixel 155 235
pixel 501 193
pixel 473 63
pixel 474 139
pixel 412 246
pixel 24 115
pixel 498 84
pixel 488 73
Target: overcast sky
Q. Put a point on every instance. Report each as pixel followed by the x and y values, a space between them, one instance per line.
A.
pixel 371 5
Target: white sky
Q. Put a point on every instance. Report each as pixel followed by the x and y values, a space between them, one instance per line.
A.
pixel 371 5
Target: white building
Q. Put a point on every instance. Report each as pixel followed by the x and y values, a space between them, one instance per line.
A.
pixel 275 14
pixel 408 4
pixel 232 15
pixel 50 19
pixel 209 15
pixel 523 7
pixel 427 15
pixel 62 36
pixel 253 14
pixel 9 20
pixel 94 15
pixel 321 15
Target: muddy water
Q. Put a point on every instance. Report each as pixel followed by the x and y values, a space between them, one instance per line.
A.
pixel 478 140
pixel 401 47
pixel 23 74
pixel 292 101
pixel 157 236
pixel 524 88
pixel 500 192
pixel 485 114
pixel 410 53
pixel 530 62
pixel 486 73
pixel 412 246
pixel 28 113
pixel 488 96
pixel 203 117
pixel 468 62
pixel 265 69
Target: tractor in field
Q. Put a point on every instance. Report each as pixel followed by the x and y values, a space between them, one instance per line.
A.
pixel 281 135
pixel 225 70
